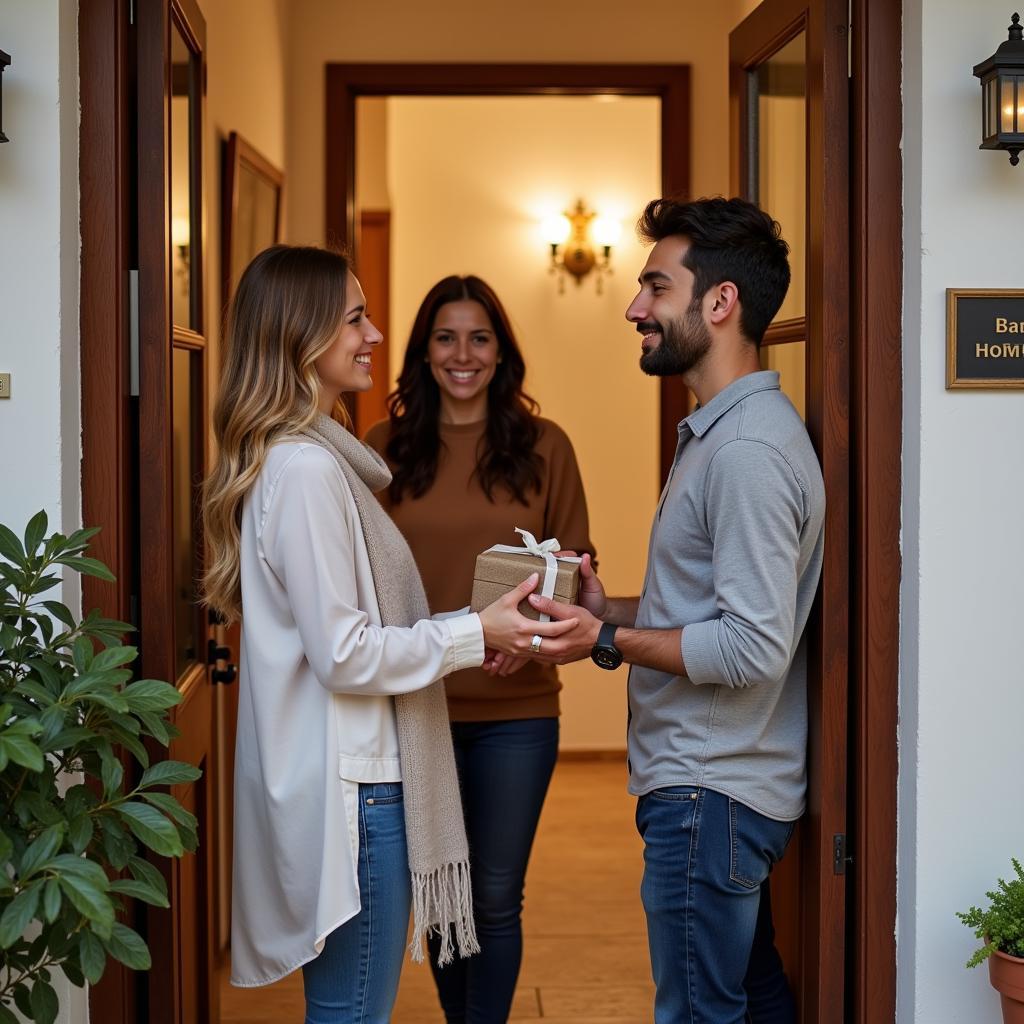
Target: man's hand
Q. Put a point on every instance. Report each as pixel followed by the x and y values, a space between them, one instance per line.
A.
pixel 571 646
pixel 592 595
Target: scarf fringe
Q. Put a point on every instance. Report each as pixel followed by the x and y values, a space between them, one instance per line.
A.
pixel 442 904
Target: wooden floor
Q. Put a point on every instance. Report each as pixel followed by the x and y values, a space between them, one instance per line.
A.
pixel 585 956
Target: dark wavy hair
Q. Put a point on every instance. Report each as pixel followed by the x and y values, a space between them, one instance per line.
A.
pixel 730 240
pixel 507 458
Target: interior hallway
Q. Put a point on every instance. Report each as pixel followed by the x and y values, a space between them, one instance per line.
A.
pixel 586 945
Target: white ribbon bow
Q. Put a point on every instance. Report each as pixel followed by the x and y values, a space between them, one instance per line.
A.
pixel 544 549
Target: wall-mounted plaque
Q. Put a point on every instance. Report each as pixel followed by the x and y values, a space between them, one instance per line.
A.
pixel 984 338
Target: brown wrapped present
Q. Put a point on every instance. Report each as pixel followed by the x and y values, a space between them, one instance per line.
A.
pixel 503 567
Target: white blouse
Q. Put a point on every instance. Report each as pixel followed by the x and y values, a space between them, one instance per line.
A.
pixel 315 714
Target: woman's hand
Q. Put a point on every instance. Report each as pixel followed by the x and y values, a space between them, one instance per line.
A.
pixel 507 630
pixel 498 664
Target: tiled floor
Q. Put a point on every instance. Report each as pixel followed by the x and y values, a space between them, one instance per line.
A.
pixel 585 953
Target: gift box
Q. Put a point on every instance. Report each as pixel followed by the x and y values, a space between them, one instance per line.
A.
pixel 502 567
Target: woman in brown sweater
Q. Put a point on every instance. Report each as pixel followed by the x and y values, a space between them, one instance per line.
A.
pixel 471 461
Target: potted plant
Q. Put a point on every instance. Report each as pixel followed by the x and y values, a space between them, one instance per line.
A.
pixel 1001 928
pixel 75 828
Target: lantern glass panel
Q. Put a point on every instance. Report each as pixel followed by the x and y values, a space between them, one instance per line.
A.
pixel 991 107
pixel 1007 104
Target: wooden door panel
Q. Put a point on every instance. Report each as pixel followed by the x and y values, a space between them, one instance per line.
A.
pixel 181 987
pixel 815 908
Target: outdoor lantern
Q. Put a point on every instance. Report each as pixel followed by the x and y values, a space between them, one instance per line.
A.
pixel 4 61
pixel 1002 95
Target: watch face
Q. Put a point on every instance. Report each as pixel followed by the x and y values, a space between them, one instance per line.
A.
pixel 607 657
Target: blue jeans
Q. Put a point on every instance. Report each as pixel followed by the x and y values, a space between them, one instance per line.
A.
pixel 504 770
pixel 706 858
pixel 354 980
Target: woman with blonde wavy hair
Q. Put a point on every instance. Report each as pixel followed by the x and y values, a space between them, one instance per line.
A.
pixel 346 798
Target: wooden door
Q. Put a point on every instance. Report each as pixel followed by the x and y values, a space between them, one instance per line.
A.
pixel 790 129
pixel 172 364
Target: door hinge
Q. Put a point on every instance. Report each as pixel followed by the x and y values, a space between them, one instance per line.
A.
pixel 133 333
pixel 839 856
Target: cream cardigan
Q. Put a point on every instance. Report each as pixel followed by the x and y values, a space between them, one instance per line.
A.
pixel 315 714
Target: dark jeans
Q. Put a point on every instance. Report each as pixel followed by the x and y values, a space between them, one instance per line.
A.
pixel 706 859
pixel 504 770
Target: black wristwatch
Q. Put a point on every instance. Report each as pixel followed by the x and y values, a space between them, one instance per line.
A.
pixel 604 653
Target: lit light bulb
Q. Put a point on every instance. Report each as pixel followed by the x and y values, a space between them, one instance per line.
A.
pixel 180 231
pixel 606 231
pixel 555 229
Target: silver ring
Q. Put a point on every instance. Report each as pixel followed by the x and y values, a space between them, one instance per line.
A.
pixel 535 643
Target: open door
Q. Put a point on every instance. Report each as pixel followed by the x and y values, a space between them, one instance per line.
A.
pixel 789 106
pixel 172 444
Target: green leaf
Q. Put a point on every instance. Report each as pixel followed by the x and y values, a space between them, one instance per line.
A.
pixel 30 688
pixel 80 538
pixel 40 851
pixel 73 973
pixel 51 900
pixel 89 901
pixel 139 891
pixel 22 751
pixel 151 695
pixel 92 956
pixel 35 531
pixel 81 654
pixel 80 832
pixel 148 873
pixel 23 1000
pixel 16 917
pixel 131 743
pixel 151 828
pixel 128 947
pixel 10 547
pixel 112 772
pixel 61 613
pixel 168 805
pixel 155 726
pixel 118 844
pixel 6 848
pixel 80 867
pixel 87 566
pixel 112 657
pixel 44 1003
pixel 6 1017
pixel 47 673
pixel 169 773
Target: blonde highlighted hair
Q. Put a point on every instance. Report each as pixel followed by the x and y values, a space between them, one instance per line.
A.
pixel 286 312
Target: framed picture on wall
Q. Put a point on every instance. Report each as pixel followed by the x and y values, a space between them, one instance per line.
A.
pixel 251 209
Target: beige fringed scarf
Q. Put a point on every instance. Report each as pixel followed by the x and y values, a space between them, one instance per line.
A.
pixel 435 830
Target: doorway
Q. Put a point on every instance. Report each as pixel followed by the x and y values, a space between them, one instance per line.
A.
pixel 872 337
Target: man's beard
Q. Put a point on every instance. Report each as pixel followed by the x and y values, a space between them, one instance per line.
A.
pixel 685 341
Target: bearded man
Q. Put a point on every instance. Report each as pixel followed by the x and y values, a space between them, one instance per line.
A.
pixel 717 686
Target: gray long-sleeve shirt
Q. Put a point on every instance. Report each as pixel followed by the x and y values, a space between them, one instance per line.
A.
pixel 735 556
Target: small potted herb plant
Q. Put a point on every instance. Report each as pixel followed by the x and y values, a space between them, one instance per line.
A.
pixel 1001 928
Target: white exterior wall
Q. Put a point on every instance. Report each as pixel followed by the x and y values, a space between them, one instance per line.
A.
pixel 40 425
pixel 961 811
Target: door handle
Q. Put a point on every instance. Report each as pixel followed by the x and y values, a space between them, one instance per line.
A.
pixel 218 652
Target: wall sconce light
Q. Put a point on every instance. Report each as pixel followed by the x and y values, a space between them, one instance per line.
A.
pixel 5 61
pixel 573 238
pixel 1002 95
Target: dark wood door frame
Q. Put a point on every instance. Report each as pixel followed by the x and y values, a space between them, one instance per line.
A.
pixel 876 368
pixel 669 82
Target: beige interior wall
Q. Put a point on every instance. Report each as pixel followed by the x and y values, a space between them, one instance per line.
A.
pixel 470 180
pixel 372 153
pixel 663 31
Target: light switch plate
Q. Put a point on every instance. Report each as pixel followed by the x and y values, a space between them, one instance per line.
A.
pixel 5 385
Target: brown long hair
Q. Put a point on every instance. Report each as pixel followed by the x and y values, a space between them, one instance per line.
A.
pixel 286 311
pixel 508 458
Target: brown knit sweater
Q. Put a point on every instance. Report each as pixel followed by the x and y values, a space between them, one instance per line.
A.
pixel 453 522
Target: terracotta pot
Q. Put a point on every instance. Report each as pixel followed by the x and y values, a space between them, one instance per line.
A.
pixel 1007 976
